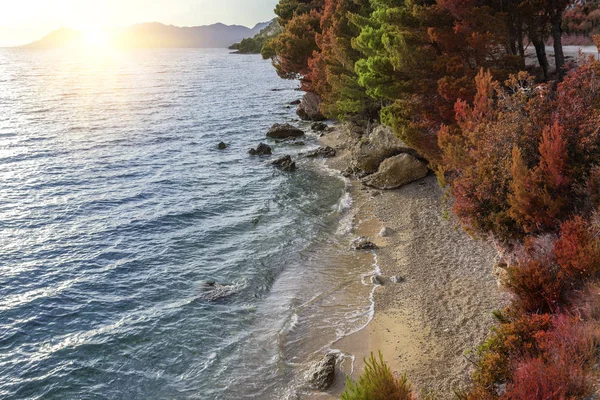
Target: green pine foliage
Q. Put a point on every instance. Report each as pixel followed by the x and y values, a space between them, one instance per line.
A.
pixel 378 383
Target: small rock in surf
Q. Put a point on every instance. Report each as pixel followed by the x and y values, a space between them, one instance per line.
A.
pixel 285 163
pixel 212 291
pixel 318 126
pixel 322 374
pixel 261 150
pixel 326 152
pixel 362 243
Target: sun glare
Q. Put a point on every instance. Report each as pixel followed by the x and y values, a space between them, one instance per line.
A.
pixel 97 38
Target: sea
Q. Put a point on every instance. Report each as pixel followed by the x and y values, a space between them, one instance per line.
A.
pixel 139 261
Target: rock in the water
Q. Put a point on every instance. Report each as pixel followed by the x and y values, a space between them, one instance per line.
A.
pixel 381 144
pixel 396 172
pixel 362 243
pixel 261 150
pixel 295 102
pixel 212 291
pixel 397 279
pixel 326 152
pixel 308 110
pixel 385 232
pixel 322 374
pixel 222 146
pixel 376 280
pixel 285 163
pixel 318 126
pixel 298 143
pixel 283 131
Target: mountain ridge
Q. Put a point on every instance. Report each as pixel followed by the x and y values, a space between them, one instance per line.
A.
pixel 157 35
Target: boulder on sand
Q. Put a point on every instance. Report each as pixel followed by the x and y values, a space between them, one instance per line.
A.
pixel 283 131
pixel 322 374
pixel 380 144
pixel 308 110
pixel 261 150
pixel 396 172
pixel 285 163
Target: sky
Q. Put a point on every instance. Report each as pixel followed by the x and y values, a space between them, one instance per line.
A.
pixel 23 21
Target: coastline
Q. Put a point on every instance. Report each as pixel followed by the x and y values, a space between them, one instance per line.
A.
pixel 426 324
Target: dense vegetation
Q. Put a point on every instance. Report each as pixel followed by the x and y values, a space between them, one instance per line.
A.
pixel 254 45
pixel 516 145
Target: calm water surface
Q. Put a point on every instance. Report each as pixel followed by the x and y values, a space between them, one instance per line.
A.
pixel 116 208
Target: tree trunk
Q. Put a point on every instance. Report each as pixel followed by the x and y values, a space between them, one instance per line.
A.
pixel 520 42
pixel 540 51
pixel 559 56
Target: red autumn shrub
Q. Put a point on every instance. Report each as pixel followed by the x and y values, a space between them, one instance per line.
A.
pixel 578 250
pixel 563 367
pixel 513 339
pixel 519 159
pixel 536 379
pixel 538 286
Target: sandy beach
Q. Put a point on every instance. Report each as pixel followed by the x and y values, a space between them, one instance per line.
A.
pixel 426 324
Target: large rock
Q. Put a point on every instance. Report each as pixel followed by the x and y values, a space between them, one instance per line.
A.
pixel 308 110
pixel 283 131
pixel 322 374
pixel 382 143
pixel 396 172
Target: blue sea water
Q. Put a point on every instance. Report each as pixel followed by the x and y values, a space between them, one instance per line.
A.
pixel 116 208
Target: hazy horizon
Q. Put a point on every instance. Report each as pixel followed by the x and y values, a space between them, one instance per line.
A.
pixel 30 20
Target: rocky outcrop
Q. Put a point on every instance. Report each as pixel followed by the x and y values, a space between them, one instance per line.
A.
pixel 396 172
pixel 284 131
pixel 261 150
pixel 381 144
pixel 322 374
pixel 308 110
pixel 319 126
pixel 295 102
pixel 285 163
pixel 326 152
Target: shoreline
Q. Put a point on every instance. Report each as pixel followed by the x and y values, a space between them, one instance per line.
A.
pixel 442 307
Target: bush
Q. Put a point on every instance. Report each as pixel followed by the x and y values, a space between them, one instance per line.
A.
pixel 378 383
pixel 563 367
pixel 538 286
pixel 578 250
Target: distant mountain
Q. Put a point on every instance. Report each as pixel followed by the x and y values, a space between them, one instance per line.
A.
pixel 156 35
pixel 254 45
